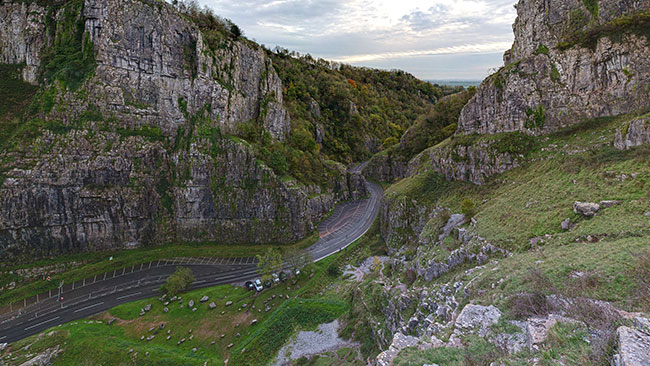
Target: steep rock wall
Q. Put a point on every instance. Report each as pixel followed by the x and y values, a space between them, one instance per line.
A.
pixel 568 63
pixel 140 154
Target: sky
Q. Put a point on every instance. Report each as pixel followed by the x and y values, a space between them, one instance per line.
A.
pixel 432 39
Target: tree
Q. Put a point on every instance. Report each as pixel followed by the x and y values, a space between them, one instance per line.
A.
pixel 178 282
pixel 269 262
pixel 297 258
pixel 235 30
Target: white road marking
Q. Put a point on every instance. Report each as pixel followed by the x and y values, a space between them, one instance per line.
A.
pixel 125 296
pixel 3 337
pixel 88 307
pixel 41 323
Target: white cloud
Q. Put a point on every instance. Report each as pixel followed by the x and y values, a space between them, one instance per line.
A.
pixel 382 33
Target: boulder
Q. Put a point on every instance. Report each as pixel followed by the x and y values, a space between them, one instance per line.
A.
pixel 147 308
pixel 477 318
pixel 567 225
pixel 228 303
pixel 165 310
pixel 190 304
pixel 212 305
pixel 204 299
pixel 633 347
pixel 3 346
pixel 588 209
pixel 609 203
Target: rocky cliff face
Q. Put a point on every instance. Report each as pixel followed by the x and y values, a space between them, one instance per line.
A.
pixel 568 63
pixel 636 133
pixel 22 36
pixel 140 152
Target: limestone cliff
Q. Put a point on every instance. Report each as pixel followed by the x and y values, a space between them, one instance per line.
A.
pixel 133 144
pixel 569 62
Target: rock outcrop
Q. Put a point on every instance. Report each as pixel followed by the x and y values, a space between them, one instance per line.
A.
pixel 473 163
pixel 568 63
pixel 635 133
pixel 633 344
pixel 22 36
pixel 142 152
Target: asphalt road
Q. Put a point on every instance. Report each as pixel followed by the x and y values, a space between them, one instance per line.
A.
pixel 348 222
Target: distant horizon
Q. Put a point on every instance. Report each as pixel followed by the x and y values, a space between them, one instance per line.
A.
pixel 433 39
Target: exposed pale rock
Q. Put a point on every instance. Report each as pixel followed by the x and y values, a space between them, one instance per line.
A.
pixel 570 85
pixel 567 225
pixel 637 133
pixel 212 305
pixel 633 347
pixel 609 203
pixel 204 299
pixel 400 341
pixel 588 209
pixel 477 319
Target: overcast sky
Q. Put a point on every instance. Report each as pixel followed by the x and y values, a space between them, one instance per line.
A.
pixel 432 39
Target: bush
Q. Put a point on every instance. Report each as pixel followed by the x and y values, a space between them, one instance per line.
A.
pixel 178 282
pixel 333 271
pixel 468 208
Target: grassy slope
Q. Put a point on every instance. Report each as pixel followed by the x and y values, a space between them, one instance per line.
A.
pixel 576 164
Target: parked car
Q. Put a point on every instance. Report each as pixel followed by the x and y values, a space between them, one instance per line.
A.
pixel 258 285
pixel 283 276
pixel 268 284
pixel 249 285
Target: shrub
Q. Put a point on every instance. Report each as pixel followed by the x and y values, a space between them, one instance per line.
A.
pixel 178 282
pixel 333 271
pixel 524 305
pixel 468 208
pixel 535 118
pixel 542 50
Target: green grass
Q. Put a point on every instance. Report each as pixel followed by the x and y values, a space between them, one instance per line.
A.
pixel 295 314
pixel 574 164
pixel 95 263
pixel 85 342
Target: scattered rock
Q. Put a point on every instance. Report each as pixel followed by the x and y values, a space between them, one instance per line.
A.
pixel 254 322
pixel 647 214
pixel 151 329
pixel 537 329
pixel 536 241
pixel 194 349
pixel 111 321
pixel 587 209
pixel 169 337
pixel 3 346
pixel 193 309
pixel 190 304
pixel 165 310
pixel 150 338
pixel 609 203
pixel 567 225
pixel 147 308
pixel 212 305
pixel 228 303
pixel 204 299
pixel 230 345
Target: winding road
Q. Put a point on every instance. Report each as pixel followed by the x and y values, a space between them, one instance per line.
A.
pixel 349 222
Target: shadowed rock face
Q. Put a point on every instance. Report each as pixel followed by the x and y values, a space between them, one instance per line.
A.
pixel 90 188
pixel 544 87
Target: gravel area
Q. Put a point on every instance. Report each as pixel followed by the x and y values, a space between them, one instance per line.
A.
pixel 310 343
